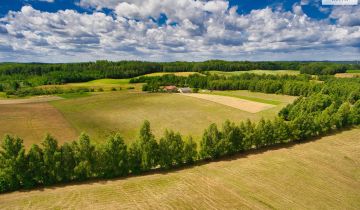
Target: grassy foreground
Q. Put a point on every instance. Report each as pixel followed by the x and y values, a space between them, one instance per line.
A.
pixel 322 174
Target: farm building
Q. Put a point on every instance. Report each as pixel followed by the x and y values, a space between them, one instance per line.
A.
pixel 170 88
pixel 185 90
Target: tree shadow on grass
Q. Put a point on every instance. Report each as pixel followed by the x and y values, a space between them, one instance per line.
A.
pixel 199 163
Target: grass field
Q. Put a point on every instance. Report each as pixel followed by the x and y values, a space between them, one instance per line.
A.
pixel 106 84
pixel 353 71
pixel 253 96
pixel 103 114
pixel 274 72
pixel 2 95
pixel 322 174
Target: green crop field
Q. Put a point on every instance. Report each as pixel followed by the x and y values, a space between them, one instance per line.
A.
pixel 322 174
pixel 275 72
pixel 102 114
pixel 106 84
pixel 353 71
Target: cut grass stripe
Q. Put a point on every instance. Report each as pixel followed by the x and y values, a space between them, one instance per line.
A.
pixel 261 100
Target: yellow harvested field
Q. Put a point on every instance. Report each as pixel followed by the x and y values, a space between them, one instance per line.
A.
pixel 322 174
pixel 31 121
pixel 242 104
pixel 347 75
pixel 184 74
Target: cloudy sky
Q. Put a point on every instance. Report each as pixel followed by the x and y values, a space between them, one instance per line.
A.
pixel 169 30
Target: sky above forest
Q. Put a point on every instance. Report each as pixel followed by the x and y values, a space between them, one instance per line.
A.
pixel 174 30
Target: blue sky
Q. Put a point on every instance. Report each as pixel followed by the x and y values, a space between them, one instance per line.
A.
pixel 168 30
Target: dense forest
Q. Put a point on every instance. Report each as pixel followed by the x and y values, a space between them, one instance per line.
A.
pixel 22 75
pixel 322 107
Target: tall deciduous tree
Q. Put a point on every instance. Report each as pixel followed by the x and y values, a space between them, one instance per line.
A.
pixel 12 163
pixel 171 149
pixel 84 157
pixel 209 145
pixel 148 147
pixel 35 167
pixel 190 150
pixel 115 157
pixel 52 160
pixel 67 162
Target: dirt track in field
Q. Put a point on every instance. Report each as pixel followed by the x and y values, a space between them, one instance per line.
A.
pixel 245 105
pixel 37 99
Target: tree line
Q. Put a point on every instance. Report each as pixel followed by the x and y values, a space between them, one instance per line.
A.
pixel 280 84
pixel 333 105
pixel 19 75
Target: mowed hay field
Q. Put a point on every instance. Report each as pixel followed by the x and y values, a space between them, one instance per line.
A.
pixel 322 174
pixel 31 121
pixel 124 112
pixel 237 103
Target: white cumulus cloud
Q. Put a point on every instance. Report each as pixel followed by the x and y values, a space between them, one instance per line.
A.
pixel 194 30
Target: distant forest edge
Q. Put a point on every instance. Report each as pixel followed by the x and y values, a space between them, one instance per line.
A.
pixel 18 75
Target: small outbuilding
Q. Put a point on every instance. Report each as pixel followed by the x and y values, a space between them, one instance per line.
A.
pixel 170 88
pixel 185 90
